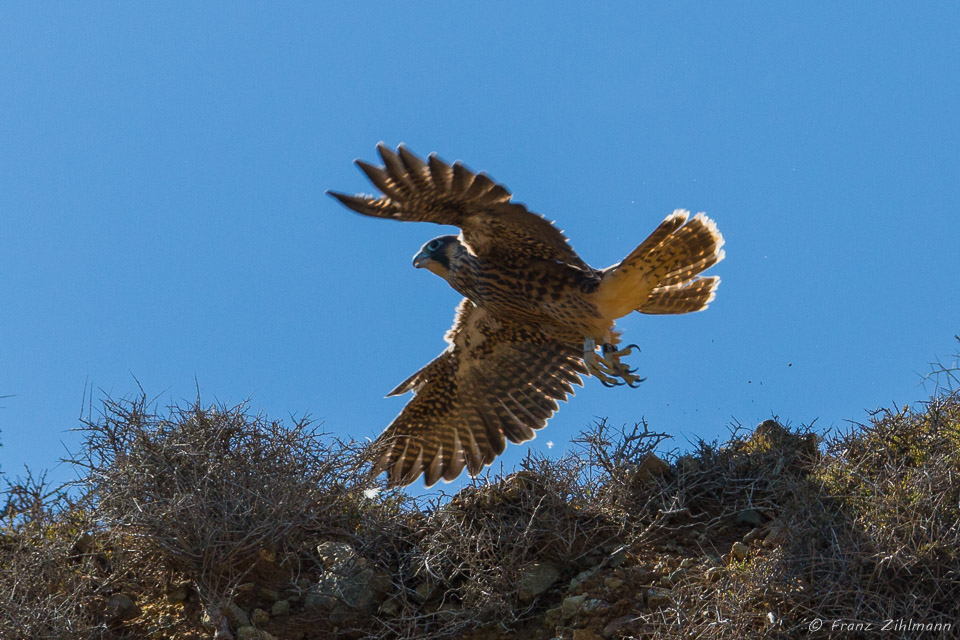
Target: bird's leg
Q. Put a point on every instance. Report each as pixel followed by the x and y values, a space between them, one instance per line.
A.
pixel 593 363
pixel 607 367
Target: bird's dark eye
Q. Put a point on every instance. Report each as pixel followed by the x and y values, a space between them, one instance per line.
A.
pixel 434 245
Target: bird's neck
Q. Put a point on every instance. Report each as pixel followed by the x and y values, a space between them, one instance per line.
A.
pixel 464 274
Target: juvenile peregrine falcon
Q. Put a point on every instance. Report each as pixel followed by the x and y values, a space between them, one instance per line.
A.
pixel 532 318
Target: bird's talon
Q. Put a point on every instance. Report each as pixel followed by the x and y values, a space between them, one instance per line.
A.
pixel 606 365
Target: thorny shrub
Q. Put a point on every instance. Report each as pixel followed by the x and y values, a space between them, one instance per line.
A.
pixel 207 492
pixel 53 582
pixel 861 526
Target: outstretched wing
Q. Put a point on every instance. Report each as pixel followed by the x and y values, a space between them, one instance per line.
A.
pixel 497 381
pixel 433 191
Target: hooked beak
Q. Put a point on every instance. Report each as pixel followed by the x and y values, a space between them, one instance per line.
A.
pixel 420 260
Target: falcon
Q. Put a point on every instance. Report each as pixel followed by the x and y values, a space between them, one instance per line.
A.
pixel 534 316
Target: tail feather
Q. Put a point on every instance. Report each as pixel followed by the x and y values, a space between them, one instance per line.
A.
pixel 660 275
pixel 684 274
pixel 669 225
pixel 682 298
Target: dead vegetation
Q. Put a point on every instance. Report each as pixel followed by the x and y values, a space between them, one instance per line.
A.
pixel 212 522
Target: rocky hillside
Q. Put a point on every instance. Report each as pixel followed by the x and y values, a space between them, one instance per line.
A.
pixel 210 522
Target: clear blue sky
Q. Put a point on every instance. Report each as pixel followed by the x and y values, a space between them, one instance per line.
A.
pixel 162 207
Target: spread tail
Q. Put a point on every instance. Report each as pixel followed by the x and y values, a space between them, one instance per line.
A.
pixel 661 275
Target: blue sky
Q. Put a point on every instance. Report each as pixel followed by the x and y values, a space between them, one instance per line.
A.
pixel 163 217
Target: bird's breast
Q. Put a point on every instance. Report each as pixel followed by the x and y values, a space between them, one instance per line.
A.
pixel 538 292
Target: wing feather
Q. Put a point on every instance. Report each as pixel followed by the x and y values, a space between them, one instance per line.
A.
pixel 433 191
pixel 394 167
pixel 416 170
pixel 440 173
pixel 380 179
pixel 498 381
pixel 456 460
pixel 462 179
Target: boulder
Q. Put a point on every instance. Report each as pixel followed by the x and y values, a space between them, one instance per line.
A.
pixel 335 555
pixel 535 578
pixel 121 607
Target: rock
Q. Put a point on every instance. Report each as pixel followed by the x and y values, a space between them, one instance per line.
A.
pixel 612 627
pixel 280 608
pixel 208 620
pixel 390 607
pixel 252 633
pixel 584 634
pixel 267 555
pixel 535 578
pixel 657 599
pixel 121 607
pixel 593 604
pixel 235 616
pixel 770 429
pixel 650 467
pixel 335 555
pixel 613 582
pixel 318 602
pixel 713 574
pixel 571 605
pixel 583 576
pixel 269 595
pixel 178 593
pixel 640 574
pixel 752 535
pixel 777 535
pixel 360 587
pixel 553 617
pixel 589 560
pixel 616 558
pixel 259 617
pixel 224 618
pixel 749 518
pixel 739 551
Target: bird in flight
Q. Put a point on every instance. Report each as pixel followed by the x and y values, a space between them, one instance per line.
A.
pixel 533 319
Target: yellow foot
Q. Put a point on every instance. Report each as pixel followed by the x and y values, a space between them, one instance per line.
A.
pixel 606 366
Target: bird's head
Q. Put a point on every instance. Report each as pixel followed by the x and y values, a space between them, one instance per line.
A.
pixel 437 255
